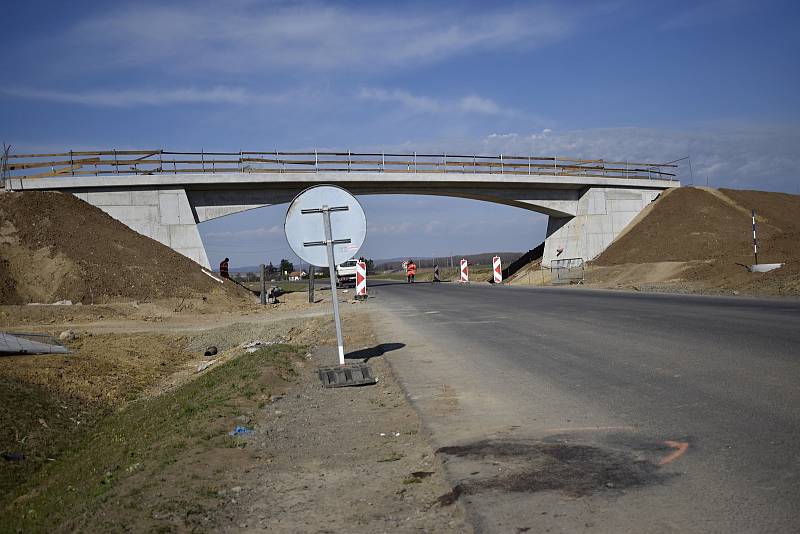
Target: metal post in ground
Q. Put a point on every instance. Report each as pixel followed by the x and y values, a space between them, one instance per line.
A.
pixel 326 216
pixel 4 172
pixel 311 276
pixel 755 243
pixel 263 269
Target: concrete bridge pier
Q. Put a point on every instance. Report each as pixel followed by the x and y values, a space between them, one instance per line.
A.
pixel 600 215
pixel 164 214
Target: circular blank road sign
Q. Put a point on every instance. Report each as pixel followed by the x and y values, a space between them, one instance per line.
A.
pixel 302 228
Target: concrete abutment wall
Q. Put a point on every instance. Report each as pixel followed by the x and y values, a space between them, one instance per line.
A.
pixel 601 215
pixel 161 214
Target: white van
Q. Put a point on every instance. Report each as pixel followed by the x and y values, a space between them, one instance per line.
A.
pixel 346 273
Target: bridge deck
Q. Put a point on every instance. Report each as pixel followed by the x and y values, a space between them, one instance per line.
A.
pixel 359 180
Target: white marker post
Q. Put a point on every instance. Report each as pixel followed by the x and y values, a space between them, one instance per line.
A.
pixel 755 242
pixel 464 272
pixel 498 270
pixel 361 280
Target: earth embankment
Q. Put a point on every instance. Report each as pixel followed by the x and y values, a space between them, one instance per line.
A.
pixel 700 240
pixel 54 246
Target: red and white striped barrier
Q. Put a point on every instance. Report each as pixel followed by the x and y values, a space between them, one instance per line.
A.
pixel 361 279
pixel 464 272
pixel 755 242
pixel 498 270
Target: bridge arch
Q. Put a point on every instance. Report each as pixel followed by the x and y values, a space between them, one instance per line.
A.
pixel 211 204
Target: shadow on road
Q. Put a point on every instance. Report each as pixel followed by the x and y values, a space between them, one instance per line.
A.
pixel 373 352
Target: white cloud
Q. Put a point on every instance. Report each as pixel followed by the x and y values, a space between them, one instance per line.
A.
pixel 734 155
pixel 477 104
pixel 416 104
pixel 148 97
pixel 306 34
pixel 471 104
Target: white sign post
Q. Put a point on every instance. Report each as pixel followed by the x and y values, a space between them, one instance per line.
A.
pixel 497 269
pixel 464 272
pixel 329 240
pixel 361 280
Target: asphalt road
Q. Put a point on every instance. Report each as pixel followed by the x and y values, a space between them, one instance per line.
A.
pixel 565 410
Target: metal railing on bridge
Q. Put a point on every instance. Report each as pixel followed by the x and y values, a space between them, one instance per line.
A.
pixel 109 162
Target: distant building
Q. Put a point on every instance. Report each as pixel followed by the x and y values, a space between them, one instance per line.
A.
pixel 296 276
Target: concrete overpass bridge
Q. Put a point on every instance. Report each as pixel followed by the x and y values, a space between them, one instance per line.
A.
pixel 164 195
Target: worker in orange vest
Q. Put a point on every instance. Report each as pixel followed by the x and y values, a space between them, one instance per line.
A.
pixel 411 270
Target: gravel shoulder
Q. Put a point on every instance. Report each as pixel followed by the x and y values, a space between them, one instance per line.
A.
pixel 342 460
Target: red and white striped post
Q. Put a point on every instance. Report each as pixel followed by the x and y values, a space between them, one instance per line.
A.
pixel 464 272
pixel 361 280
pixel 755 243
pixel 498 270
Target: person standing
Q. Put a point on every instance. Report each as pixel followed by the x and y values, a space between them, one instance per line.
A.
pixel 436 278
pixel 411 270
pixel 223 268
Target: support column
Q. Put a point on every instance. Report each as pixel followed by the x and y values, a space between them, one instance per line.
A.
pixel 602 214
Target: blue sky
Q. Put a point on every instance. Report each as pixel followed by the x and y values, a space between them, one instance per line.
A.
pixel 717 80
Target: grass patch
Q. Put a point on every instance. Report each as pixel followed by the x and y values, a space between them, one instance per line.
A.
pixel 126 454
pixel 38 424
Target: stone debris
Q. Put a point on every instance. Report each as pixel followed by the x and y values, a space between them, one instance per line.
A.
pixel 205 365
pixel 67 335
pixel 253 346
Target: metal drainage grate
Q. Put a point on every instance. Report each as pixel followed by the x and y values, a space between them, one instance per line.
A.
pixel 354 374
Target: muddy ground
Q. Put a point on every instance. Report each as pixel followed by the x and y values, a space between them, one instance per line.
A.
pixel 125 434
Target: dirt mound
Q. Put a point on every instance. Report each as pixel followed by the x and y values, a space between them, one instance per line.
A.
pixel 711 232
pixel 698 224
pixel 54 246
